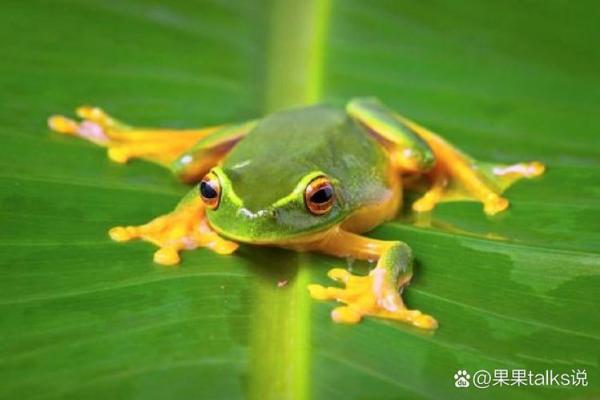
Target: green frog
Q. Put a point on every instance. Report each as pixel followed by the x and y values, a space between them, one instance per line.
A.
pixel 308 179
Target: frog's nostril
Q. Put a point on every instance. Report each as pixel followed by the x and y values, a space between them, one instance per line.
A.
pixel 275 214
pixel 256 214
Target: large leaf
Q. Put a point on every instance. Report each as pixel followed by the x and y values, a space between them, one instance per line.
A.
pixel 85 317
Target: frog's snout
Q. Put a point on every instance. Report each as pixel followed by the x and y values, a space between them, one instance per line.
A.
pixel 252 226
pixel 256 215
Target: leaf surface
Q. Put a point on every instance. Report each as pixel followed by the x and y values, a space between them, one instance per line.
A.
pixel 83 317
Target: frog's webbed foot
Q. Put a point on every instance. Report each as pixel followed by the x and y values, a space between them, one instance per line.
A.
pixel 377 294
pixel 125 142
pixel 370 295
pixel 468 179
pixel 183 229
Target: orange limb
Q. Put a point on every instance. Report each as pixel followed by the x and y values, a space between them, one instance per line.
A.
pixel 185 228
pixel 377 294
pixel 473 179
pixel 162 146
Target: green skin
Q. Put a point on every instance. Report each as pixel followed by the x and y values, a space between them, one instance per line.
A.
pixel 262 196
pixel 263 182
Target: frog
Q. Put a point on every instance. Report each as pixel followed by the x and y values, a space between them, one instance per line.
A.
pixel 315 178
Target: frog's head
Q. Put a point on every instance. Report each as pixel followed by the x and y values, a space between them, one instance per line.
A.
pixel 313 205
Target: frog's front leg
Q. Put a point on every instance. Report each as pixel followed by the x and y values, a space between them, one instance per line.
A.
pixel 453 175
pixel 188 153
pixel 377 294
pixel 185 228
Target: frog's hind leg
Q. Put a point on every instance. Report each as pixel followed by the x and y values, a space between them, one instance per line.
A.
pixel 457 176
pixel 185 228
pixel 377 294
pixel 452 174
pixel 162 146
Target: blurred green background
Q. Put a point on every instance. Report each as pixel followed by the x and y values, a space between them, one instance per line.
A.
pixel 83 317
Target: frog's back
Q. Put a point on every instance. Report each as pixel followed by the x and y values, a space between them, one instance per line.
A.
pixel 288 145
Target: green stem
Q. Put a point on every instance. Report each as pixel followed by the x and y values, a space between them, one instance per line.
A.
pixel 296 51
pixel 280 340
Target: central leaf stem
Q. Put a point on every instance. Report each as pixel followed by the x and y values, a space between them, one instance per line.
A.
pixel 296 51
pixel 280 337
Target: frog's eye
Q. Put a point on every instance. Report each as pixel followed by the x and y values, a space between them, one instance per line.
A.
pixel 210 190
pixel 319 195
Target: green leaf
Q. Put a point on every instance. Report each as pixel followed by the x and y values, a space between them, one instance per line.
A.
pixel 84 317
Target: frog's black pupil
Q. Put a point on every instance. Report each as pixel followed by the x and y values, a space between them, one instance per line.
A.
pixel 207 190
pixel 322 195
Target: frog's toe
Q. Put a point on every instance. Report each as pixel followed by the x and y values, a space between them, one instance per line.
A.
pixel 120 234
pixel 494 204
pixel 166 256
pixel 96 115
pixel 530 169
pixel 423 205
pixel 413 317
pixel 346 315
pixel 62 124
pixel 221 246
pixel 339 275
pixel 355 285
pixel 432 197
pixel 319 292
pixel 534 169
pixel 425 321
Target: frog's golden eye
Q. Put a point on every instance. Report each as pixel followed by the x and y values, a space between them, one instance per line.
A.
pixel 319 195
pixel 210 190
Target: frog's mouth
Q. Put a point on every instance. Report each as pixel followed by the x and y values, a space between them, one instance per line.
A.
pixel 297 240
